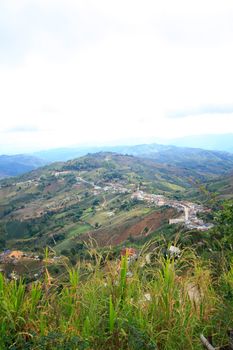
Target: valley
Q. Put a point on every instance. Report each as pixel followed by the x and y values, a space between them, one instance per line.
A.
pixel 109 197
pixel 110 229
pixel 116 175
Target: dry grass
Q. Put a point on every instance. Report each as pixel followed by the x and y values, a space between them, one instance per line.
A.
pixel 164 305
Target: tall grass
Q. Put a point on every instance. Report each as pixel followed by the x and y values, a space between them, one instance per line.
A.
pixel 164 305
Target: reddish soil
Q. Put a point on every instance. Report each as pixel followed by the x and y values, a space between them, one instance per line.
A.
pixel 54 187
pixel 113 235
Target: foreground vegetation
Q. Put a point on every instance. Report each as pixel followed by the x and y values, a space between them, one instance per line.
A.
pixel 106 304
pixel 102 301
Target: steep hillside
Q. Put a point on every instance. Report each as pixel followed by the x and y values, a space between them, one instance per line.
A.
pixel 222 187
pixel 18 164
pixel 106 196
pixel 62 201
pixel 112 166
pixel 198 160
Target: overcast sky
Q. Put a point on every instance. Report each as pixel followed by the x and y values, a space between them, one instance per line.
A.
pixel 102 71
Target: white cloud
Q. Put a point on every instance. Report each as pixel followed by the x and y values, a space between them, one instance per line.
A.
pixel 99 71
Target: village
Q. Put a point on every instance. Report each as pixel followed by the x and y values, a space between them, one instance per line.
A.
pixel 15 263
pixel 189 210
pixel 110 187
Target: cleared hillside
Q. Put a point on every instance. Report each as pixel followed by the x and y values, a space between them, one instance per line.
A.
pixel 59 203
pixel 91 196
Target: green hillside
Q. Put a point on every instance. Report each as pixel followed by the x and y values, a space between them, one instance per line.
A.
pixel 222 187
pixel 57 204
pixel 200 161
pixel 118 300
pixel 92 196
pixel 69 222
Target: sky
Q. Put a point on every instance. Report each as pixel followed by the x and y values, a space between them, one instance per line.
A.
pixel 88 72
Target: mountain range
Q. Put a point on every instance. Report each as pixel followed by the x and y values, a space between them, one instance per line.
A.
pixel 13 165
pixel 199 160
pixel 218 142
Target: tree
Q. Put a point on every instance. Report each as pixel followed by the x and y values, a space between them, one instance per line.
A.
pixel 2 243
pixel 96 202
pixel 223 230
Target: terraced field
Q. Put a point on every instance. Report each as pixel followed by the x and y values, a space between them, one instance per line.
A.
pixel 65 203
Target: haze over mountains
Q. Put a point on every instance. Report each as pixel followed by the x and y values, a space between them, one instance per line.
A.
pixel 208 142
pixel 200 161
pixel 206 160
pixel 222 142
pixel 18 164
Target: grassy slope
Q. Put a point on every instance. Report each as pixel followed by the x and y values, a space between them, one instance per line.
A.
pixel 223 187
pixel 97 306
pixel 162 306
pixel 39 204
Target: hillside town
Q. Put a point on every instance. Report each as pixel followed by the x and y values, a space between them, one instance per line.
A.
pixel 16 263
pixel 189 210
pixel 112 187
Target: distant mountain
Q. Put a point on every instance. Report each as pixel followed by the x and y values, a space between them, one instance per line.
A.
pixel 201 161
pixel 66 153
pixel 210 142
pixel 18 164
pixel 222 142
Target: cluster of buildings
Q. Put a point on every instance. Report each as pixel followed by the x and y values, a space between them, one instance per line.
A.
pixel 110 187
pixel 189 210
pixel 116 188
pixel 16 263
pixel 61 173
pixel 149 198
pixel 13 256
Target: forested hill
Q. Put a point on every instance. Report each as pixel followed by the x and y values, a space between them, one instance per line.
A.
pixel 200 160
